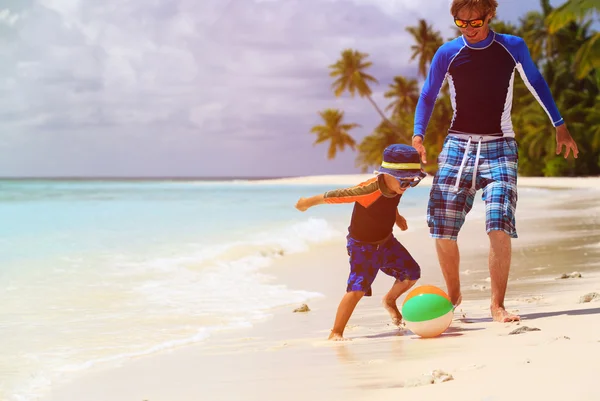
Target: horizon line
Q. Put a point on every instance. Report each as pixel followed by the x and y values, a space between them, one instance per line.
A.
pixel 158 177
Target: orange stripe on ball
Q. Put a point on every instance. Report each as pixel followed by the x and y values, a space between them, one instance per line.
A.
pixel 426 289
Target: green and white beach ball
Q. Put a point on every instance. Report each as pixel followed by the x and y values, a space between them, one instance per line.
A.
pixel 427 311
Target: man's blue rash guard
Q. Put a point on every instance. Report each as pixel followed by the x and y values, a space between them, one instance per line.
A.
pixel 481 78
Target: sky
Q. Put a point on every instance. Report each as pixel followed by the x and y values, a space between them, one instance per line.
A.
pixel 210 88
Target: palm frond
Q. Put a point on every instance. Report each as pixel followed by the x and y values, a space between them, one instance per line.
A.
pixel 571 11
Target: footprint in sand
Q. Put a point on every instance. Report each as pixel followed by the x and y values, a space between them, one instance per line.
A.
pixel 479 287
pixel 529 300
pixel 561 338
pixel 437 376
pixel 303 308
pixel 569 275
pixel 592 296
pixel 523 329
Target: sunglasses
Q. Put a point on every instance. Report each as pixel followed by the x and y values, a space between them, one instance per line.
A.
pixel 463 23
pixel 410 183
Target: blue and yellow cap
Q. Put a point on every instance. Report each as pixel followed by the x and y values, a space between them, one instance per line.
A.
pixel 401 161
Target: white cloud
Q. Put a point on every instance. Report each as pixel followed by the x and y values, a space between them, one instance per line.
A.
pixel 8 18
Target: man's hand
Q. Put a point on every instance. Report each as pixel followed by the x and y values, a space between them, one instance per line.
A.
pixel 417 143
pixel 401 222
pixel 563 137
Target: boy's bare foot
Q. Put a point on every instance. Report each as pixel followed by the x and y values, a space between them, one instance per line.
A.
pixel 456 300
pixel 499 314
pixel 392 309
pixel 337 337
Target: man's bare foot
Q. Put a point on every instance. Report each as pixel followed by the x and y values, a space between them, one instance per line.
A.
pixel 392 309
pixel 337 337
pixel 499 314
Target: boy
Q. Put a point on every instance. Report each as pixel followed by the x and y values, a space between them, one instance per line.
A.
pixel 371 244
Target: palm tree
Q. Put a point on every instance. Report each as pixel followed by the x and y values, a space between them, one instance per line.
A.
pixel 428 41
pixel 335 131
pixel 503 27
pixel 588 55
pixel 351 77
pixel 535 33
pixel 371 148
pixel 538 139
pixel 405 94
pixel 593 124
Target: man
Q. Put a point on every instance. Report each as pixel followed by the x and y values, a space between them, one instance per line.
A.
pixel 480 151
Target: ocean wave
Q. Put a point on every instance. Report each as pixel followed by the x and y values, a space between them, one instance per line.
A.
pixel 128 306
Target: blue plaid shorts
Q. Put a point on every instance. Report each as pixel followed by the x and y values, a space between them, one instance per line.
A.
pixel 496 174
pixel 367 259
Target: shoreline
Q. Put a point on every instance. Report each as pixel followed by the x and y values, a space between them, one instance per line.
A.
pixel 286 355
pixel 351 179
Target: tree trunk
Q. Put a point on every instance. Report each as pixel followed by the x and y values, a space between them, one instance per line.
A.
pixel 388 122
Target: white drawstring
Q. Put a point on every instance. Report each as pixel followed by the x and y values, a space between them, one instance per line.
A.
pixel 476 163
pixel 464 162
pixel 462 165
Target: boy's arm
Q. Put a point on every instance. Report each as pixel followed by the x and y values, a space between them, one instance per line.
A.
pixel 401 221
pixel 304 203
pixel 364 193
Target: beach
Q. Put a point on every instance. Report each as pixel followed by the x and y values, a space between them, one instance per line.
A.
pixel 285 355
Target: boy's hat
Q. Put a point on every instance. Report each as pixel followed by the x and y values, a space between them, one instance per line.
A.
pixel 401 161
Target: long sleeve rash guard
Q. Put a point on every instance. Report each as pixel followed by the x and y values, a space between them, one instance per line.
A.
pixel 374 212
pixel 481 78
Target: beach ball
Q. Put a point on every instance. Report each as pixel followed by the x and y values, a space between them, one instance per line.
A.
pixel 427 311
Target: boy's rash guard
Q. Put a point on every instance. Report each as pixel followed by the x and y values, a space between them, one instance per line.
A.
pixel 375 208
pixel 481 79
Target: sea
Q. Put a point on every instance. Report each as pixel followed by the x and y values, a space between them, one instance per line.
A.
pixel 96 271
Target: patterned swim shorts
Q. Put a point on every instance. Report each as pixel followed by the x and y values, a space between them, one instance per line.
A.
pixel 496 174
pixel 367 259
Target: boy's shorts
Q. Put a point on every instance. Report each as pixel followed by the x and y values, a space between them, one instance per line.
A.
pixel 367 259
pixel 496 175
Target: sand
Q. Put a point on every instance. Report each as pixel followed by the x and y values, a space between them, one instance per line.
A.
pixel 286 356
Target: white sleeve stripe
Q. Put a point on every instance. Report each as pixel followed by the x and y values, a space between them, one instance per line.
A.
pixel 532 89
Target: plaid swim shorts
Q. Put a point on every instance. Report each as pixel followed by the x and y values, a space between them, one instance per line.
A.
pixel 450 199
pixel 367 259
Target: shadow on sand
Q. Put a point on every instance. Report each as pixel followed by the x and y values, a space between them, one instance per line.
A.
pixel 530 316
pixel 572 312
pixel 450 332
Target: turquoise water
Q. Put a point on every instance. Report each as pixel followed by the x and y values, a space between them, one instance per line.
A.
pixel 94 272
